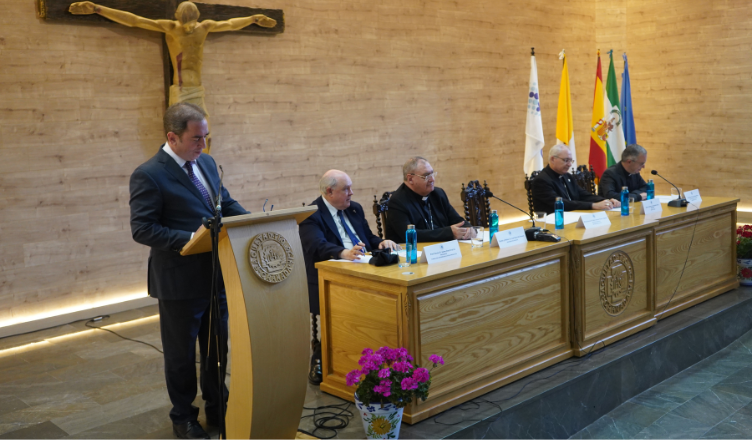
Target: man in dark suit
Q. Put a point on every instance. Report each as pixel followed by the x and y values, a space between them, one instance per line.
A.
pixel 419 202
pixel 170 193
pixel 555 181
pixel 338 230
pixel 626 173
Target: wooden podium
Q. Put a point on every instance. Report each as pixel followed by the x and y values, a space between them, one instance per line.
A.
pixel 267 298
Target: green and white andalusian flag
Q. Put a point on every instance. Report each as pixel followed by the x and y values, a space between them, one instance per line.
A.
pixel 612 114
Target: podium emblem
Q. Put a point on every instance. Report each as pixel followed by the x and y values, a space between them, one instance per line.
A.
pixel 616 283
pixel 271 257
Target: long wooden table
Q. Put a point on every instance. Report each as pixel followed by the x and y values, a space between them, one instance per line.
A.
pixel 499 315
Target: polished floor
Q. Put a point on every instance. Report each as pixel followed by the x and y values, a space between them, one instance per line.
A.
pixel 75 382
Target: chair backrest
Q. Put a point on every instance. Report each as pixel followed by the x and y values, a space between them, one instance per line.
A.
pixel 379 210
pixel 529 190
pixel 477 205
pixel 585 178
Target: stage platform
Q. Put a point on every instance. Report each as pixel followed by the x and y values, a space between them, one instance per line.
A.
pixel 561 400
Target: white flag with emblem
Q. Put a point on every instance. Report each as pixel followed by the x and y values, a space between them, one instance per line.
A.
pixel 534 125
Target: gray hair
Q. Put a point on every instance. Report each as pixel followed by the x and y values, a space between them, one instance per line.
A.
pixel 411 165
pixel 556 149
pixel 330 179
pixel 177 117
pixel 632 152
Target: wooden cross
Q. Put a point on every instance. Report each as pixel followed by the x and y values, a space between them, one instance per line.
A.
pixel 57 10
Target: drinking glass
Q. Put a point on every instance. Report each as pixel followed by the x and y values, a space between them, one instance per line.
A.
pixel 477 240
pixel 632 201
pixel 540 217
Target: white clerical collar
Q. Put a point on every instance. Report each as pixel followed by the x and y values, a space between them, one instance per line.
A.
pixel 425 198
pixel 167 149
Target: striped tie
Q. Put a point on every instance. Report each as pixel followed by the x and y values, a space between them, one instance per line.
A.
pixel 201 188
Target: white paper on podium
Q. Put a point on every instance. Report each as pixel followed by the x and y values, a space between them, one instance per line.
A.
pixel 439 252
pixel 363 259
pixel 569 217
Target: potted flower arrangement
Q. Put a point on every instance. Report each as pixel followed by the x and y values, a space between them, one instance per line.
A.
pixel 387 381
pixel 744 254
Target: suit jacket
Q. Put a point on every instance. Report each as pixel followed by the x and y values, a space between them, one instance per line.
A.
pixel 405 208
pixel 166 207
pixel 548 185
pixel 321 241
pixel 615 177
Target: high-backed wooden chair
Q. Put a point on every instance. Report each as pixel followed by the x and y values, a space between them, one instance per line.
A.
pixel 379 210
pixel 585 178
pixel 477 206
pixel 529 190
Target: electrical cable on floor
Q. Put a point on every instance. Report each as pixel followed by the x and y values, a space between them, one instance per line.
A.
pixel 323 415
pixel 103 317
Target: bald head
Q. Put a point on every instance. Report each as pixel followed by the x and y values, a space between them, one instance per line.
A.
pixel 336 188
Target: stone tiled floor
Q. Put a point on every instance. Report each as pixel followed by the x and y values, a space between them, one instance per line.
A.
pixel 73 382
pixel 711 399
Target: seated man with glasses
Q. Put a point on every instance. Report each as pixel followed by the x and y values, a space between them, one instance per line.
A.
pixel 555 181
pixel 418 202
pixel 626 173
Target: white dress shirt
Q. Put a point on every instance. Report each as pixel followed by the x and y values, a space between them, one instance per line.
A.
pixel 346 242
pixel 194 165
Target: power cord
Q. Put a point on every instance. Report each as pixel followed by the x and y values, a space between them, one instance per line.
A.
pixel 103 317
pixel 325 419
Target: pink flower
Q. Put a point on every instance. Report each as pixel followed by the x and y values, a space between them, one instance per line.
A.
pixel 387 354
pixel 421 375
pixel 402 367
pixel 384 373
pixel 746 272
pixel 352 377
pixel 367 351
pixel 370 362
pixel 384 388
pixel 409 383
pixel 436 359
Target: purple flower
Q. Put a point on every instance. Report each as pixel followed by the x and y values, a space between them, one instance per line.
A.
pixel 353 377
pixel 370 362
pixel 384 388
pixel 402 367
pixel 436 359
pixel 367 351
pixel 421 375
pixel 384 373
pixel 409 383
pixel 387 354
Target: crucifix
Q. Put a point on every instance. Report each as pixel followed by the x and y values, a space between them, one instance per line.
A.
pixel 183 44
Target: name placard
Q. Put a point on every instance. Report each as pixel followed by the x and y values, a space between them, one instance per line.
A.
pixel 595 220
pixel 510 237
pixel 651 207
pixel 693 196
pixel 437 253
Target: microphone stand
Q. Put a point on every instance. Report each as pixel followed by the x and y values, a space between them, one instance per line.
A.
pixel 679 202
pixel 530 233
pixel 214 224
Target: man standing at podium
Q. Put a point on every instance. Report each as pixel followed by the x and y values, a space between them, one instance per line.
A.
pixel 169 195
pixel 338 230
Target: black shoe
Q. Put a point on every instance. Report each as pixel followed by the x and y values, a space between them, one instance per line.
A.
pixel 190 429
pixel 314 375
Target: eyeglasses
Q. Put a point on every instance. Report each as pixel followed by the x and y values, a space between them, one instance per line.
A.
pixel 568 160
pixel 427 176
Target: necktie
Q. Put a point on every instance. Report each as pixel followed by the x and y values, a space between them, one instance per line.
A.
pixel 201 188
pixel 566 190
pixel 349 232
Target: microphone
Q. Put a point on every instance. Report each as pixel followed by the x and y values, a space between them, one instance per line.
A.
pixel 678 202
pixel 219 193
pixel 533 234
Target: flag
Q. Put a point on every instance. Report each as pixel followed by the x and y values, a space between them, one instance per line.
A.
pixel 612 116
pixel 626 106
pixel 533 125
pixel 597 157
pixel 564 125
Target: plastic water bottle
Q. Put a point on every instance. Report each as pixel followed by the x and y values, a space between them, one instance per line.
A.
pixel 624 200
pixel 651 189
pixel 411 245
pixel 559 213
pixel 494 225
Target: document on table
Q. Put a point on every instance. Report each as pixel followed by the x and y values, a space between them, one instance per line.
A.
pixel 569 217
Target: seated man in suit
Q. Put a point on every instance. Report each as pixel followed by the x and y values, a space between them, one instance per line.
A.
pixel 338 230
pixel 626 173
pixel 555 181
pixel 418 202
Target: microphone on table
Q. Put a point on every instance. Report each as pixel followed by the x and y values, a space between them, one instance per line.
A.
pixel 678 202
pixel 533 234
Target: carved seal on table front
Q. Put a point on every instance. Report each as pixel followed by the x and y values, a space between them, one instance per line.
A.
pixel 616 283
pixel 271 257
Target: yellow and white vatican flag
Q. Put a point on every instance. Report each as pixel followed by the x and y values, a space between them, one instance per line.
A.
pixel 533 125
pixel 564 124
